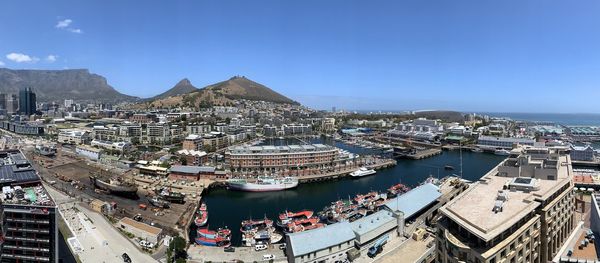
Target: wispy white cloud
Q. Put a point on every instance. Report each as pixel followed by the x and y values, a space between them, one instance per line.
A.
pixel 51 58
pixel 2 64
pixel 21 58
pixel 65 24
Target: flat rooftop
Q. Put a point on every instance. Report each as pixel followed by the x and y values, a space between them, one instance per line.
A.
pixel 32 195
pixel 270 149
pixel 474 208
pixel 16 169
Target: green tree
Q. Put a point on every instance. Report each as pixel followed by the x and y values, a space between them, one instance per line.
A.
pixel 176 251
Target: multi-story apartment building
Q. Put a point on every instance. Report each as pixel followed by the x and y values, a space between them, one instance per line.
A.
pixel 130 131
pixel 105 133
pixel 156 133
pixel 28 229
pixel 143 118
pixel 74 137
pixel 215 140
pixel 297 129
pixel 520 211
pixel 198 128
pixel 192 142
pixel 249 159
pixel 115 146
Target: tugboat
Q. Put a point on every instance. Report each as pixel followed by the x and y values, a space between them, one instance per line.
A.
pixel 113 184
pixel 219 238
pixel 173 197
pixel 202 217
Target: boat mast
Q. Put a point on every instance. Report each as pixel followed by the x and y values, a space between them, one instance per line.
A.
pixel 461 161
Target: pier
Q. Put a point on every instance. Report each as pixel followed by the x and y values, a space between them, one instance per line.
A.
pixel 344 172
pixel 420 154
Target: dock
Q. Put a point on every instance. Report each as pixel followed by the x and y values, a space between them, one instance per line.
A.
pixel 419 154
pixel 344 172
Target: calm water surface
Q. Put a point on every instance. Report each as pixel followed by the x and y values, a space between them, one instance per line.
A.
pixel 229 208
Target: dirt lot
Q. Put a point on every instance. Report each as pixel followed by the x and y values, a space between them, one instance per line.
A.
pixel 71 176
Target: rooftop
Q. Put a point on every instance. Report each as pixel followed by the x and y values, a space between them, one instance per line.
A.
pixel 309 241
pixel 191 169
pixel 280 149
pixel 15 169
pixel 34 195
pixel 495 203
pixel 414 200
pixel 141 226
pixel 372 222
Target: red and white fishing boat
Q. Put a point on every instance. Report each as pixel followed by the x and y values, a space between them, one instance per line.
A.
pixel 202 216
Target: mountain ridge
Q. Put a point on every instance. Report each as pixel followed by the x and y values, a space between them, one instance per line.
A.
pixel 184 86
pixel 223 93
pixel 58 85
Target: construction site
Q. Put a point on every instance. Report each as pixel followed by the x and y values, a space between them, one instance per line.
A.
pixel 70 174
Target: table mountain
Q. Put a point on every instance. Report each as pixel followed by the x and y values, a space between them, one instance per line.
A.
pixel 58 85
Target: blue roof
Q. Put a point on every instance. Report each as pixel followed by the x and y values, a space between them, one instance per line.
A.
pixel 372 222
pixel 191 169
pixel 314 240
pixel 414 200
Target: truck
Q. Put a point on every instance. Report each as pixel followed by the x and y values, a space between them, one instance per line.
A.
pixel 377 246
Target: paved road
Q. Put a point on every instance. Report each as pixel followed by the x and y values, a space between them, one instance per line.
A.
pixel 246 254
pixel 101 242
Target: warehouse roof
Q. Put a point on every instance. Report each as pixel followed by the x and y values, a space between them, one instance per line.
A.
pixel 414 200
pixel 318 239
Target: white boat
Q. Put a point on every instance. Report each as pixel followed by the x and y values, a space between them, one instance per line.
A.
pixel 502 152
pixel 263 184
pixel 363 171
pixel 476 150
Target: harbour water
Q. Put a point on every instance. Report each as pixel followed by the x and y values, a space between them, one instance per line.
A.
pixel 229 208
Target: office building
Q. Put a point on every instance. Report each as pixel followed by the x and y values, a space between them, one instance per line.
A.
pixel 582 153
pixel 12 103
pixel 27 102
pixel 520 211
pixel 492 142
pixel 74 137
pixel 28 214
pixel 22 128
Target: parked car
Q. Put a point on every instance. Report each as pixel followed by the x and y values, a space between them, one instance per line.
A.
pixel 282 246
pixel 260 247
pixel 126 258
pixel 229 249
pixel 268 257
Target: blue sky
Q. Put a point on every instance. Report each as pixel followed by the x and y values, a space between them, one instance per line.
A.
pixel 515 56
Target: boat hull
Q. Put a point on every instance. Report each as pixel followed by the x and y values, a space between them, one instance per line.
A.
pixel 362 174
pixel 125 189
pixel 252 187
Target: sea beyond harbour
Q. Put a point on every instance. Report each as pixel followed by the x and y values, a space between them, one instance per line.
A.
pixel 568 119
pixel 229 208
